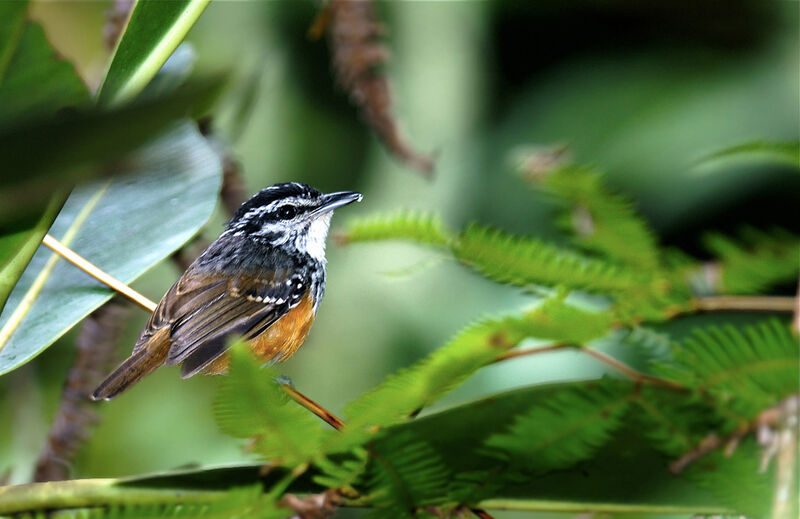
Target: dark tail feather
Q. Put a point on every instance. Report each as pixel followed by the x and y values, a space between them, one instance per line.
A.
pixel 131 371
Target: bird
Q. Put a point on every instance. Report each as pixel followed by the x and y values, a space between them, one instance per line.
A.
pixel 262 280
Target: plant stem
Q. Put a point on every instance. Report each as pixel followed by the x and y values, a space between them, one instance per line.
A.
pixel 92 493
pixel 98 274
pixel 744 304
pixel 314 407
pixel 609 508
pixel 636 376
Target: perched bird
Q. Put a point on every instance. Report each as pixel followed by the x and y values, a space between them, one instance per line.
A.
pixel 262 279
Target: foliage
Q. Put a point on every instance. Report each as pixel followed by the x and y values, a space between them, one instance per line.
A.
pixel 582 446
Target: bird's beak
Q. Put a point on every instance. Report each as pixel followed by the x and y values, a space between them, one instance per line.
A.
pixel 333 200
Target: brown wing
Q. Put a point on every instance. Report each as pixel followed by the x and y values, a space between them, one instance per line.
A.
pixel 204 311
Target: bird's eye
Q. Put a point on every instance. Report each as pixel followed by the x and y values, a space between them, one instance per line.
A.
pixel 287 212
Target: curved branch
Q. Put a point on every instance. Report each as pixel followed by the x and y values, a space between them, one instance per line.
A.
pixel 744 304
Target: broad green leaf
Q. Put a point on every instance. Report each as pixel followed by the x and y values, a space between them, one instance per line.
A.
pixel 73 144
pixel 154 31
pixel 161 196
pixel 33 79
pixel 17 249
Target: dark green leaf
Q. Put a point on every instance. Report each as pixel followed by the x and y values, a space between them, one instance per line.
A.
pixel 33 79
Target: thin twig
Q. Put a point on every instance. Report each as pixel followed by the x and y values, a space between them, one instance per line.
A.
pixel 483 514
pixel 314 407
pixel 95 272
pixel 636 376
pixel 533 351
pixel 744 304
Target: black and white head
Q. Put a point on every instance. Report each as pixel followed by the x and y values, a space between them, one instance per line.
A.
pixel 291 215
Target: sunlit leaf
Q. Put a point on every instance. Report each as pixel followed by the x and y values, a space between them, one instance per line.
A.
pixel 154 31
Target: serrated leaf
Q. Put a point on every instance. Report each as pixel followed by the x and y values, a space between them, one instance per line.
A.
pixel 566 428
pixel 525 261
pixel 405 473
pixel 757 261
pixel 746 371
pixel 600 220
pixel 404 225
pixel 251 404
pixel 124 226
pixel 154 31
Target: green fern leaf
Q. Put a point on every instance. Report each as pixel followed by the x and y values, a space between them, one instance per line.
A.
pixel 787 152
pixel 746 371
pixel 738 481
pixel 250 404
pixel 759 261
pixel 602 221
pixel 570 427
pixel 403 225
pixel 342 473
pixel 476 346
pixel 676 422
pixel 525 261
pixel 405 473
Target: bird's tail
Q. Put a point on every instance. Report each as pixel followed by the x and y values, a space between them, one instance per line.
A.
pixel 132 370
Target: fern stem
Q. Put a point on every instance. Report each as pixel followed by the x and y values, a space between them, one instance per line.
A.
pixel 480 512
pixel 533 351
pixel 635 375
pixel 744 304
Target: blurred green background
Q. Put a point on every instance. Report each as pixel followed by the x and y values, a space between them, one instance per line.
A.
pixel 644 90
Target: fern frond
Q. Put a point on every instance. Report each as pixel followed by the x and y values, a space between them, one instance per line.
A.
pixel 676 422
pixel 746 371
pixel 566 429
pixel 250 404
pixel 344 473
pixel 520 261
pixel 737 480
pixel 760 260
pixel 476 346
pixel 403 225
pixel 241 503
pixel 405 473
pixel 602 221
pixel 780 151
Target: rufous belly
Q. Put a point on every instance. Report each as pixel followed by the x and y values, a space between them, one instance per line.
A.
pixel 280 341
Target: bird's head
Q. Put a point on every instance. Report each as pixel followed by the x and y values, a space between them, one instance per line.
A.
pixel 292 215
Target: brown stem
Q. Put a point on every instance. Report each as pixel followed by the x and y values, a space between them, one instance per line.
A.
pixel 314 407
pixel 533 351
pixel 744 304
pixel 483 514
pixel 75 416
pixel 636 376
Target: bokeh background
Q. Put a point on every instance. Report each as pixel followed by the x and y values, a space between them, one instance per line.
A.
pixel 642 89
